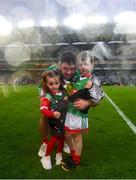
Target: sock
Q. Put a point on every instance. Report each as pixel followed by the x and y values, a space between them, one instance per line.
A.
pixel 77 159
pixel 72 152
pixel 50 145
pixel 60 144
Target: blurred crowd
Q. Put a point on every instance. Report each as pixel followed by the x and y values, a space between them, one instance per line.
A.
pixel 107 77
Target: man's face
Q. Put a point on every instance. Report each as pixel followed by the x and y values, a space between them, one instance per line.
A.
pixel 67 70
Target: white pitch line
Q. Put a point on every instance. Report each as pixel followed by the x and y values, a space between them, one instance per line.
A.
pixel 125 118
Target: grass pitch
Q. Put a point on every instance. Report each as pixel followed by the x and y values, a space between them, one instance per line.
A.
pixel 109 150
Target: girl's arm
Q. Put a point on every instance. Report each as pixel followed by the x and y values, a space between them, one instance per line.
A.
pixel 45 107
pixel 46 111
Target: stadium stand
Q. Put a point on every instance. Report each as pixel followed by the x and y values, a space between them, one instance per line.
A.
pixel 115 64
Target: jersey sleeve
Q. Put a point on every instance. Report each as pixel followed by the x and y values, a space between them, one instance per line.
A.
pixel 45 107
pixel 96 91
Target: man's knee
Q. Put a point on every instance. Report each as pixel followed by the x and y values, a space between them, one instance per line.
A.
pixel 67 135
pixel 78 138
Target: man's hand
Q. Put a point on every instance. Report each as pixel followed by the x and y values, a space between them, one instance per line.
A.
pixel 82 104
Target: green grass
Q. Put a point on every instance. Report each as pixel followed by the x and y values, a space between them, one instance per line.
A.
pixel 125 98
pixel 109 148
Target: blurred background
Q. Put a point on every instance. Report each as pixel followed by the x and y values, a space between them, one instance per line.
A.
pixel 35 33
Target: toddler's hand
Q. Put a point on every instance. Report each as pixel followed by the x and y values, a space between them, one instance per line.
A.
pixel 89 85
pixel 56 114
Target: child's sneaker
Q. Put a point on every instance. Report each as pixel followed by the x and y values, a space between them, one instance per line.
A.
pixel 42 150
pixel 58 158
pixel 66 148
pixel 46 162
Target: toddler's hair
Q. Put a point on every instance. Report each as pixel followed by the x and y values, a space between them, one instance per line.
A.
pixel 86 55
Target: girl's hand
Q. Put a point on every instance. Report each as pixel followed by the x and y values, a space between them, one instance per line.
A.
pixel 65 98
pixel 56 114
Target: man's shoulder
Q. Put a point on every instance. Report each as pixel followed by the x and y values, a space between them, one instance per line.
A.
pixel 53 67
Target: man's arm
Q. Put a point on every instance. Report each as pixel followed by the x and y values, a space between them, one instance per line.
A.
pixel 82 99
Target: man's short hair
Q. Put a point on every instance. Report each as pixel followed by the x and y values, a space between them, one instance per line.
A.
pixel 69 58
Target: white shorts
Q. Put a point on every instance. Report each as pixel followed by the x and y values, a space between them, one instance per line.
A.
pixel 75 124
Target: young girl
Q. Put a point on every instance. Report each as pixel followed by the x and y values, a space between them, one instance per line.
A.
pixel 77 121
pixel 43 122
pixel 54 106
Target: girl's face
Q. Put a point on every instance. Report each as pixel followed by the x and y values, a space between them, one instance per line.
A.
pixel 85 66
pixel 53 83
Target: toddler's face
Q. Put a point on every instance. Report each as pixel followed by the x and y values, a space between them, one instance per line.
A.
pixel 85 66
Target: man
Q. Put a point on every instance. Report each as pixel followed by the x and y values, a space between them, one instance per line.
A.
pixel 67 68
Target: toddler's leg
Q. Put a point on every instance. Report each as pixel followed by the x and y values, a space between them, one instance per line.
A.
pixel 78 147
